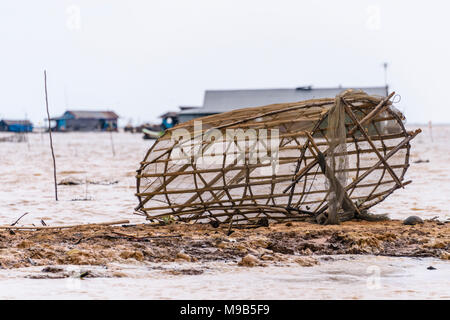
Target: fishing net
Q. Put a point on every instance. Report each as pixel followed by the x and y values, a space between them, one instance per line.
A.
pixel 337 158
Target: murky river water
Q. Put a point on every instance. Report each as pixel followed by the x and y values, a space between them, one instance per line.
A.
pixel 343 277
pixel 27 186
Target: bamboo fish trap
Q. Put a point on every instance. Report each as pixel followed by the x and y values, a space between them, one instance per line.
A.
pixel 278 162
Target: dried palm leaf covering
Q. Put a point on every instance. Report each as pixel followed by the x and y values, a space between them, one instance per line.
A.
pixel 328 159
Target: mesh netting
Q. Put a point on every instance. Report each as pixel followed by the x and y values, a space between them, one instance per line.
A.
pixel 337 158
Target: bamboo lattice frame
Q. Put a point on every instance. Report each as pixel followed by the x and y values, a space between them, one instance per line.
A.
pixel 224 188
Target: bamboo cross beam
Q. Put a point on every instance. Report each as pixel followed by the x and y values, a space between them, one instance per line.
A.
pixel 302 155
pixel 352 116
pixel 379 108
pixel 386 157
pixel 212 182
pixel 291 107
pixel 375 166
pixel 347 202
pixel 167 181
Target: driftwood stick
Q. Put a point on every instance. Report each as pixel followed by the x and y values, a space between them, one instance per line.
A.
pixel 127 237
pixel 68 226
pixel 147 237
pixel 50 134
pixel 13 224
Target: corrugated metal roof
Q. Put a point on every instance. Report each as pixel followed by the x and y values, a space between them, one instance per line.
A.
pixel 82 114
pixel 169 114
pixel 218 101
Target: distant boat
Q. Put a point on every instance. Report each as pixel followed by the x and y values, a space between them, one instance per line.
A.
pixel 169 120
pixel 149 134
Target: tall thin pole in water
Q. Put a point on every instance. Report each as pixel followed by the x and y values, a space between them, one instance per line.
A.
pixel 110 128
pixel 430 127
pixel 50 134
pixel 385 66
pixel 112 143
pixel 26 134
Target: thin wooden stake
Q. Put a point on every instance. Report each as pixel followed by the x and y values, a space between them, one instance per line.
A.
pixel 112 143
pixel 67 226
pixel 50 134
pixel 15 222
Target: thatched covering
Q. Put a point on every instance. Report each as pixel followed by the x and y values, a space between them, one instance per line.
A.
pixel 277 165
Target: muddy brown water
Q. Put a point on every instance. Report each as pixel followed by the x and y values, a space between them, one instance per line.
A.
pixel 361 265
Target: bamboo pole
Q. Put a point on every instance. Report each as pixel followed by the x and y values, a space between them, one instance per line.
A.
pixel 111 139
pixel 374 148
pixel 386 157
pixel 68 226
pixel 50 135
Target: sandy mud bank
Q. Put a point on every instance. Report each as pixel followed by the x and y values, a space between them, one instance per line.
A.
pixel 276 244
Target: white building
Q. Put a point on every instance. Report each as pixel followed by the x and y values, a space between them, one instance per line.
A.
pixel 218 101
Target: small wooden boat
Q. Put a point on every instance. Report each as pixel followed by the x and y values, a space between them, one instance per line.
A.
pixel 149 134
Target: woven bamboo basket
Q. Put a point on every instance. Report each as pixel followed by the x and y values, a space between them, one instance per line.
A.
pixel 270 162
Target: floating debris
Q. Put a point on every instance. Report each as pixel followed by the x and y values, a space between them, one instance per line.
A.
pixel 18 137
pixel 421 161
pixel 75 182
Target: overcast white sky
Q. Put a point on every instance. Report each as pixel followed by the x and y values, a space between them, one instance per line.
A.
pixel 142 58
